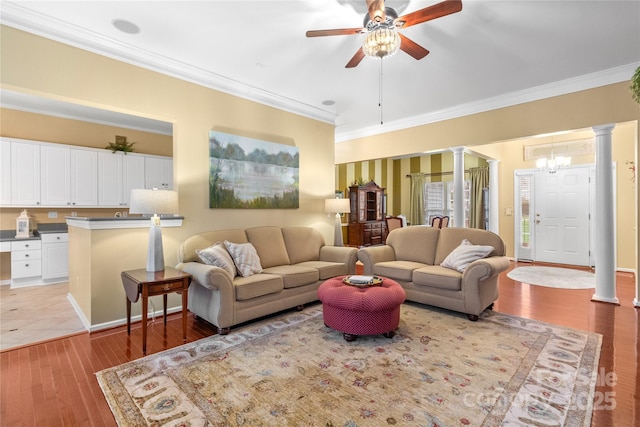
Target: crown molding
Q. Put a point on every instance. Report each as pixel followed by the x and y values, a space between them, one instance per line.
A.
pixel 16 16
pixel 563 87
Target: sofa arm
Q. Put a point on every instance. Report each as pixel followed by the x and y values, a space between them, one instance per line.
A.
pixel 375 254
pixel 345 255
pixel 214 278
pixel 485 268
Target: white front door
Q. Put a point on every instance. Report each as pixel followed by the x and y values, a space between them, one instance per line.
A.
pixel 561 216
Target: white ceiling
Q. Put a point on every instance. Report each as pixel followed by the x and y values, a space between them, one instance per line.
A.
pixel 491 54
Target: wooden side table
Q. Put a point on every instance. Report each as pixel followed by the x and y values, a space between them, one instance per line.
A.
pixel 148 284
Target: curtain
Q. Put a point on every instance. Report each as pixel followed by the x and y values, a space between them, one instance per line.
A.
pixel 479 180
pixel 416 206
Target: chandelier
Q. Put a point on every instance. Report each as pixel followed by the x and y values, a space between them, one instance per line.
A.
pixel 553 163
pixel 381 42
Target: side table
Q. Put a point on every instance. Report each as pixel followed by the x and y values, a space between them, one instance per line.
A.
pixel 140 282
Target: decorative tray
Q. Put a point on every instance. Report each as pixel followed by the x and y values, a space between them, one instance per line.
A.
pixel 363 281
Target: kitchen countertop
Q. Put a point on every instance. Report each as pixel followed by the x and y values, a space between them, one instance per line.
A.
pixel 10 235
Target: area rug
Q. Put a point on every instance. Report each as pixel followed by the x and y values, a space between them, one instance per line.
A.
pixel 440 369
pixel 554 277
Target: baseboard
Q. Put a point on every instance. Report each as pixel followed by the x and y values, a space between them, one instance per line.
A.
pixel 79 312
pixel 138 318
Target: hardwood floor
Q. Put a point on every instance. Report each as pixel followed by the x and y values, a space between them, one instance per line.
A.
pixel 54 384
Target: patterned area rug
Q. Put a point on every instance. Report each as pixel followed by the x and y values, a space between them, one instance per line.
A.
pixel 554 277
pixel 440 369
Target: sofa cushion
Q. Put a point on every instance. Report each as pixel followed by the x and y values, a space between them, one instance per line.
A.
pixel 451 237
pixel 438 277
pixel 257 285
pixel 327 269
pixel 303 243
pixel 269 244
pixel 218 256
pixel 244 257
pixel 294 275
pixel 415 243
pixel 465 254
pixel 397 270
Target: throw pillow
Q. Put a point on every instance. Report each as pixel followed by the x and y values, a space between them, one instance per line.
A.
pixel 245 258
pixel 464 255
pixel 218 256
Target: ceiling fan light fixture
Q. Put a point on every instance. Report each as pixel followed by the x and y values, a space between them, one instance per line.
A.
pixel 381 42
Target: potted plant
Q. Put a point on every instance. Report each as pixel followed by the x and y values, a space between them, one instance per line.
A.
pixel 121 144
pixel 635 86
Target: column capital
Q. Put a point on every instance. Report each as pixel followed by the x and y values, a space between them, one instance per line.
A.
pixel 457 150
pixel 603 129
pixel 493 161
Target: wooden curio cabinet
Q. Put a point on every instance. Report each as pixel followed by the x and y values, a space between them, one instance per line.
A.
pixel 366 219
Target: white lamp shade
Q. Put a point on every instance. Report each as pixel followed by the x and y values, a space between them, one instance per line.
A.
pixel 154 201
pixel 337 206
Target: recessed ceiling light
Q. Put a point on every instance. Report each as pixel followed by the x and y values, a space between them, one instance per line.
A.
pixel 125 26
pixel 328 102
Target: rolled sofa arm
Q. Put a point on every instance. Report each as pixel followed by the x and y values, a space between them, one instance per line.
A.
pixel 342 254
pixel 375 254
pixel 485 268
pixel 214 278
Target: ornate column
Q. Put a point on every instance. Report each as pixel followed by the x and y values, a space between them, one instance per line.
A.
pixel 458 186
pixel 604 238
pixel 494 206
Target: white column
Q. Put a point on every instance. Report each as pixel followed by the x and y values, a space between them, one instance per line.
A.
pixel 604 238
pixel 458 186
pixel 494 206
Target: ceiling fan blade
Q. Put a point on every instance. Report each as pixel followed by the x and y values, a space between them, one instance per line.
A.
pixel 337 32
pixel 412 48
pixel 438 10
pixel 359 56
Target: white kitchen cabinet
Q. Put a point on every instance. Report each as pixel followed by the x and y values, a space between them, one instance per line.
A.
pixel 55 175
pixel 158 172
pixel 84 177
pixel 55 257
pixel 25 173
pixel 5 171
pixel 133 170
pixel 26 262
pixel 118 174
pixel 109 179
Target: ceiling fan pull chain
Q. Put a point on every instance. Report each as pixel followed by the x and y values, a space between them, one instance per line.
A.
pixel 380 92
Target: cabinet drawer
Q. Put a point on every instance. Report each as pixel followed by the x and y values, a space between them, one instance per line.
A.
pixel 161 288
pixel 54 238
pixel 26 255
pixel 25 245
pixel 376 232
pixel 21 269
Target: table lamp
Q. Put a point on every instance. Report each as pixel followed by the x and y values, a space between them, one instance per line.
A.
pixel 337 206
pixel 154 202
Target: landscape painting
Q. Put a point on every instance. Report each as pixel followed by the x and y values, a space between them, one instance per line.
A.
pixel 247 173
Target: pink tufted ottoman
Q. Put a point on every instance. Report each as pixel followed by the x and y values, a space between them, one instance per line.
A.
pixel 355 311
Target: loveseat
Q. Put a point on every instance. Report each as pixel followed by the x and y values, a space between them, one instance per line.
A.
pixel 291 264
pixel 412 256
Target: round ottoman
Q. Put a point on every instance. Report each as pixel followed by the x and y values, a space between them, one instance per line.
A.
pixel 355 310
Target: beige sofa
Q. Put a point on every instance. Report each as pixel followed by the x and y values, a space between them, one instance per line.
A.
pixel 295 261
pixel 412 257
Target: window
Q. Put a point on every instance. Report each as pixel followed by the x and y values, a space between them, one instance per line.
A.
pixel 438 200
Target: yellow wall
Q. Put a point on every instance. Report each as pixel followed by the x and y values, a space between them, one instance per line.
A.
pixel 70 74
pixel 40 127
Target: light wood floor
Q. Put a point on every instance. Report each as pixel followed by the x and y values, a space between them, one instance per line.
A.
pixel 54 384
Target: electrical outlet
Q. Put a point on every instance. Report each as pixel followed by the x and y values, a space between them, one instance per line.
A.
pixel 53 214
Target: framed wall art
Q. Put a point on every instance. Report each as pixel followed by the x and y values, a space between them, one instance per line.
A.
pixel 248 173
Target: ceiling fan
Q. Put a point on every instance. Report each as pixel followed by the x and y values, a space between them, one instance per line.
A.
pixel 381 24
